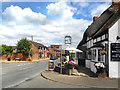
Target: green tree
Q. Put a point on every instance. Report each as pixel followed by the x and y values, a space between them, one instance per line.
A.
pixel 23 46
pixel 0 50
pixel 7 50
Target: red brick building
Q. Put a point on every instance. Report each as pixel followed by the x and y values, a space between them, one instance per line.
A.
pixel 55 50
pixel 39 51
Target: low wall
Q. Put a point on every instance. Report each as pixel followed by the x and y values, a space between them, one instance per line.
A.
pixel 12 57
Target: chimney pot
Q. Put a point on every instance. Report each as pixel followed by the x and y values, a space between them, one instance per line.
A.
pixel 95 18
pixel 116 4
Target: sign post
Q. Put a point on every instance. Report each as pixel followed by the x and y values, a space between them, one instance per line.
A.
pixel 68 42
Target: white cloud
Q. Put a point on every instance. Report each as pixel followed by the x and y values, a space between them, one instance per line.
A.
pixel 62 9
pixel 23 16
pixel 84 4
pixel 97 11
pixel 52 31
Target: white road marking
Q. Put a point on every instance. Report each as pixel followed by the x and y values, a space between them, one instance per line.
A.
pixel 24 68
pixel 2 73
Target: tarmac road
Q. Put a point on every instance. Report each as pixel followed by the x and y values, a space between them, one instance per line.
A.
pixel 13 74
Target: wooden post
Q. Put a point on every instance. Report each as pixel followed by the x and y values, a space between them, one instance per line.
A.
pixel 70 72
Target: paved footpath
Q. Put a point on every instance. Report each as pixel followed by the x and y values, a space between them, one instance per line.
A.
pixel 89 82
pixel 55 80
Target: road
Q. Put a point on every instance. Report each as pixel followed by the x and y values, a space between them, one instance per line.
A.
pixel 27 75
pixel 14 73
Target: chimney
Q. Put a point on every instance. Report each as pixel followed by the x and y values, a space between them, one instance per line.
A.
pixel 116 4
pixel 95 18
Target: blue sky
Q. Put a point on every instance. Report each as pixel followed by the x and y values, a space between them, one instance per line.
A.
pixel 41 7
pixel 47 19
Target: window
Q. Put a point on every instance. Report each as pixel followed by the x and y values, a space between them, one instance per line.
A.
pixel 94 40
pixel 100 57
pixel 106 36
pixel 39 47
pixel 47 54
pixel 99 38
pixel 93 54
pixel 40 55
pixel 88 55
pixel 45 49
pixel 103 37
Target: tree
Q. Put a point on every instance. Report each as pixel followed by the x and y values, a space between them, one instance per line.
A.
pixel 7 50
pixel 0 50
pixel 23 46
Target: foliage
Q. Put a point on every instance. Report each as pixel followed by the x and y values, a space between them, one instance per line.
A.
pixel 99 65
pixel 72 54
pixel 23 46
pixel 69 62
pixel 103 52
pixel 0 50
pixel 7 50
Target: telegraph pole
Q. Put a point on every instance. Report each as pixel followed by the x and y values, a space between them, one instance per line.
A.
pixel 31 46
pixel 61 61
pixel 32 38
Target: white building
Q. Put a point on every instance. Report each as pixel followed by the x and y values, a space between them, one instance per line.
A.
pixel 103 34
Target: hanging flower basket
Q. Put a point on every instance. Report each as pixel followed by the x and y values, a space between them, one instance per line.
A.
pixel 103 52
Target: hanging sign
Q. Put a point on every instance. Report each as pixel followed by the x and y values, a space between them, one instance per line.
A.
pixel 67 39
pixel 115 51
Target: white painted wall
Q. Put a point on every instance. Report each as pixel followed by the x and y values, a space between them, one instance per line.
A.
pixel 88 63
pixel 114 71
pixel 93 69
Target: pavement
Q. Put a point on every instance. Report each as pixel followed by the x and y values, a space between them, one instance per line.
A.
pixel 86 79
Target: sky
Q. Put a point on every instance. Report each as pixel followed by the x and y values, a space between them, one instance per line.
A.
pixel 48 22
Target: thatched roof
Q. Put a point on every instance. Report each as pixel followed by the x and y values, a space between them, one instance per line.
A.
pixel 101 25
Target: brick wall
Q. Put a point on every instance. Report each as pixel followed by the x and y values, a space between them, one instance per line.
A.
pixel 35 51
pixel 52 51
pixel 12 57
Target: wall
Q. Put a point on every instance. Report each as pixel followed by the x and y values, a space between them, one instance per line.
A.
pixel 12 57
pixel 35 55
pixel 88 63
pixel 52 51
pixel 93 69
pixel 114 71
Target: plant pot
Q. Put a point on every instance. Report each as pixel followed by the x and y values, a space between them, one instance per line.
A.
pixel 101 70
pixel 70 66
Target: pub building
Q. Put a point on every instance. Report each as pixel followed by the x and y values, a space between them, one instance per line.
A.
pixel 103 34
